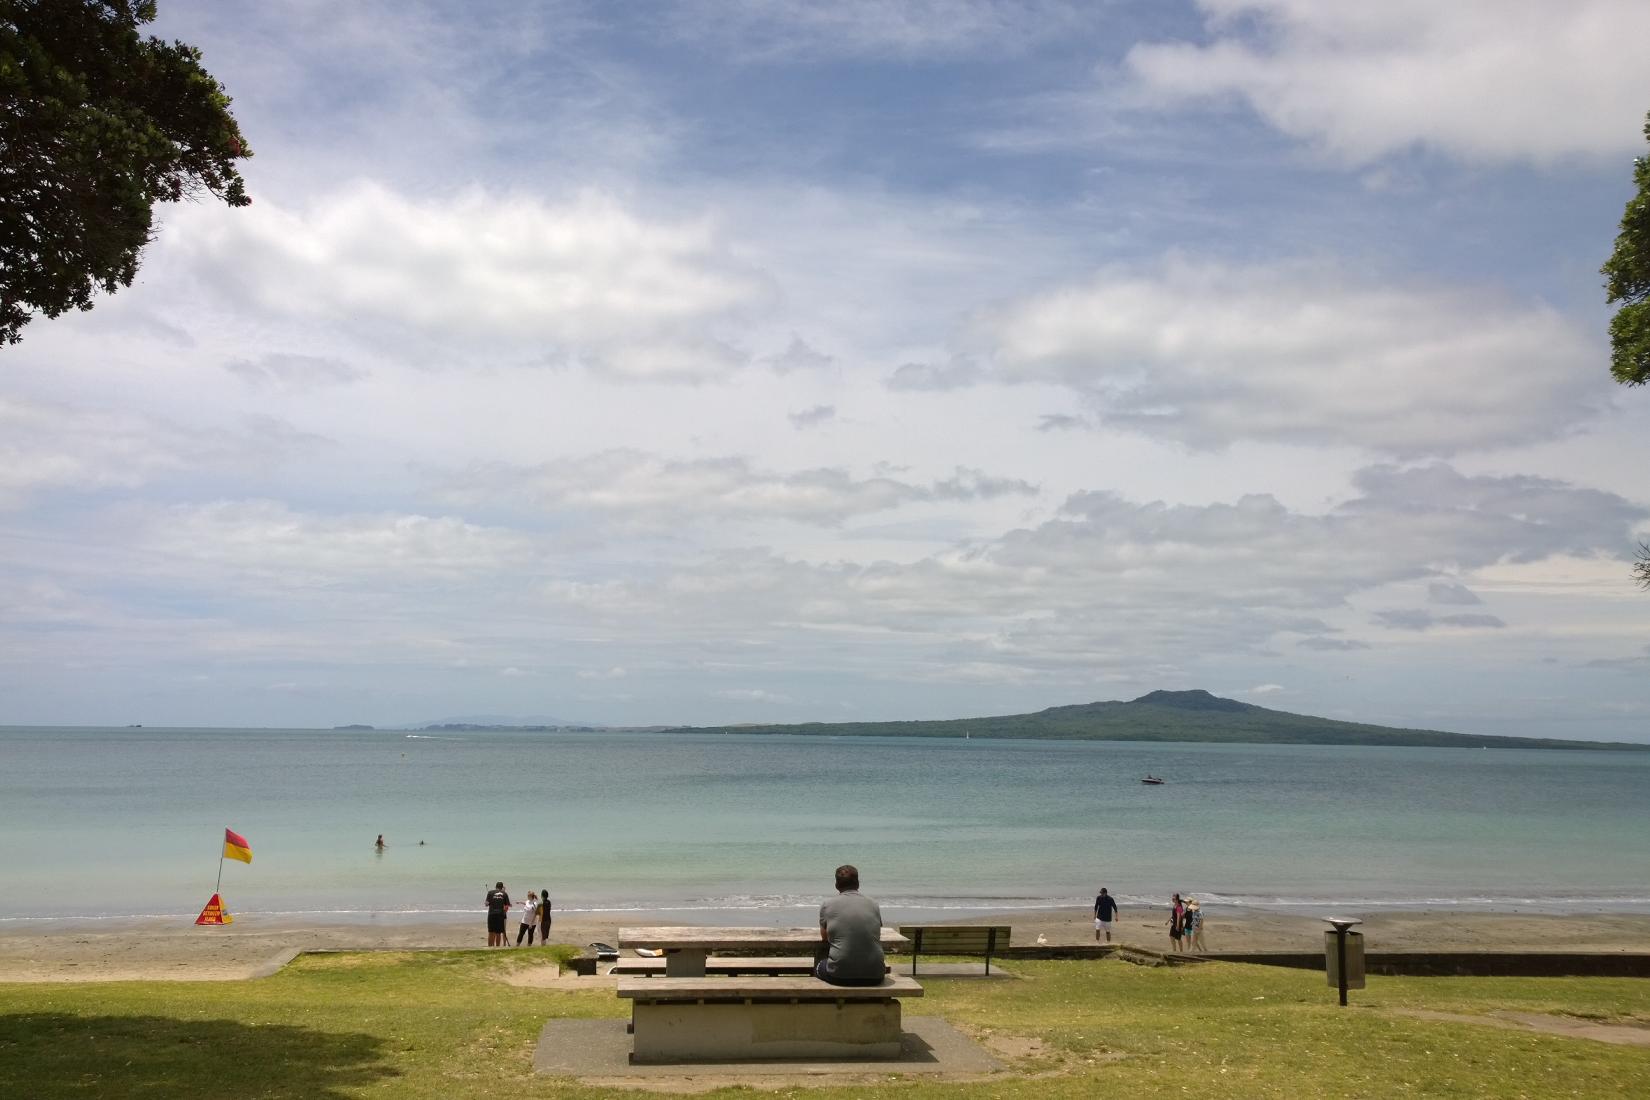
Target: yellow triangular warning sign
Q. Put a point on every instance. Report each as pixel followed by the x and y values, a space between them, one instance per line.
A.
pixel 215 913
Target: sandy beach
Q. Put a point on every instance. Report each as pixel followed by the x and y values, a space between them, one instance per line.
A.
pixel 177 950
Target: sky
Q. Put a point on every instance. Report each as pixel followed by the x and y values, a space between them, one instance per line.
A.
pixel 771 361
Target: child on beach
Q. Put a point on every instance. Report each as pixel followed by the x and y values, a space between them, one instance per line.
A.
pixel 544 917
pixel 529 919
pixel 1194 924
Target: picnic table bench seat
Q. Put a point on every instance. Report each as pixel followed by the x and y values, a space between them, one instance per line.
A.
pixel 745 1017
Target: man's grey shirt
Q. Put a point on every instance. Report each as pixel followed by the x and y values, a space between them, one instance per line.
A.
pixel 853 924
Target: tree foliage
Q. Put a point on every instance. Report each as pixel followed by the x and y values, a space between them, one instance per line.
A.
pixel 97 124
pixel 1627 280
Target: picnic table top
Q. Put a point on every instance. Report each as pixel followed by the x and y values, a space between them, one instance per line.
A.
pixel 689 938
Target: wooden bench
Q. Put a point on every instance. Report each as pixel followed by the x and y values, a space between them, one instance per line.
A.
pixel 717 1019
pixel 722 966
pixel 955 939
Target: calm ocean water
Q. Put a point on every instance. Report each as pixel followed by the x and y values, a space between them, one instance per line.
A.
pixel 98 823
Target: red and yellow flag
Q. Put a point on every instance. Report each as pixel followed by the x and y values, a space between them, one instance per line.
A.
pixel 236 847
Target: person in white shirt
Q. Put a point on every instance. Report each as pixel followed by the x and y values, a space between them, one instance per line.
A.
pixel 529 919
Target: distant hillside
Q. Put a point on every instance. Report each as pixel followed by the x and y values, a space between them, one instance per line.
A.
pixel 491 722
pixel 1170 716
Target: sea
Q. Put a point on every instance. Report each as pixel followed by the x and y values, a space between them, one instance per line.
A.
pixel 111 824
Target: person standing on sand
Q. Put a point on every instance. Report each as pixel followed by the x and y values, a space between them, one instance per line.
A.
pixel 1194 924
pixel 544 918
pixel 850 924
pixel 498 904
pixel 1177 922
pixel 529 919
pixel 1105 911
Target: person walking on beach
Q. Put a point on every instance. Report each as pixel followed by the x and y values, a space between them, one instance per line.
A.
pixel 1105 911
pixel 1177 922
pixel 850 925
pixel 498 904
pixel 529 919
pixel 1194 925
pixel 544 917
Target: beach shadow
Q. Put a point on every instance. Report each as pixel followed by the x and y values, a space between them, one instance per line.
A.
pixel 48 1054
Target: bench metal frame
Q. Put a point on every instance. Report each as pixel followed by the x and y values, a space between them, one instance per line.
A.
pixel 916 933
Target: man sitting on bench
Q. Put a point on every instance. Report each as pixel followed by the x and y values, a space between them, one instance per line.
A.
pixel 851 924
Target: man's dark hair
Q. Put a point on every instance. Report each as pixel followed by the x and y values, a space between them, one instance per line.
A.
pixel 498 886
pixel 847 877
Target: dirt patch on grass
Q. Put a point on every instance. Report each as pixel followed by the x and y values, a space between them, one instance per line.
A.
pixel 1013 1047
pixel 551 976
pixel 533 977
pixel 1569 1027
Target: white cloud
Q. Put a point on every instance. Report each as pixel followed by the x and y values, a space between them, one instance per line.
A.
pixel 584 281
pixel 1265 689
pixel 960 371
pixel 812 417
pixel 270 540
pixel 646 490
pixel 752 695
pixel 798 356
pixel 1419 619
pixel 1448 592
pixel 294 372
pixel 1206 354
pixel 614 673
pixel 788 30
pixel 1330 644
pixel 1480 79
pixel 1112 585
pixel 48 446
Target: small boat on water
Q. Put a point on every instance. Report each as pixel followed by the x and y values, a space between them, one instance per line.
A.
pixel 1153 781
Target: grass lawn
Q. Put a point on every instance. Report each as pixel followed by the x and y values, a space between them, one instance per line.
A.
pixel 445 1026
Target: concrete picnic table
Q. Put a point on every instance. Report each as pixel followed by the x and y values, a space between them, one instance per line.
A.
pixel 687 948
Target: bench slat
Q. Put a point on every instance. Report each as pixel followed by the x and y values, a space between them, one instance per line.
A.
pixel 783 964
pixel 936 938
pixel 762 988
pixel 932 941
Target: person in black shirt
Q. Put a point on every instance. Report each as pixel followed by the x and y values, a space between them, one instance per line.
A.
pixel 1105 911
pixel 498 904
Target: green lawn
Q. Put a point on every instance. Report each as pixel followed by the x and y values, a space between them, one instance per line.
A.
pixel 443 1025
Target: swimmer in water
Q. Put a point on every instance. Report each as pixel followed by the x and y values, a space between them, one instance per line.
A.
pixel 379 843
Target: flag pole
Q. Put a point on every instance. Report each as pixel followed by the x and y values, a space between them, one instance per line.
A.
pixel 219 885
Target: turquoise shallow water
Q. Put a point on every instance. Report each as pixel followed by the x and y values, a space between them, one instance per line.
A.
pixel 102 823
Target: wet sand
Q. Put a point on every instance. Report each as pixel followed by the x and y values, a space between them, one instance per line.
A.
pixel 178 950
